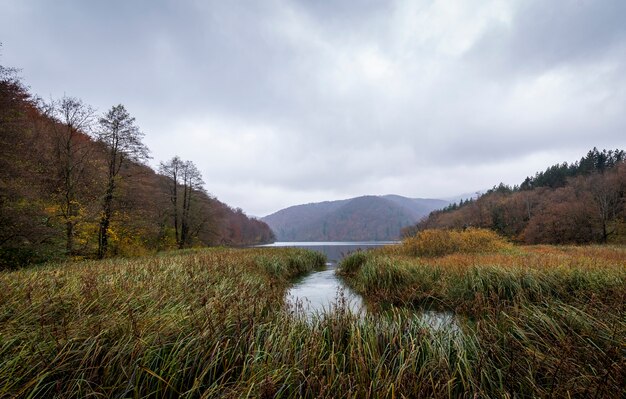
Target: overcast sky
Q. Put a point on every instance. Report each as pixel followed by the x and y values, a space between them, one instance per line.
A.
pixel 288 102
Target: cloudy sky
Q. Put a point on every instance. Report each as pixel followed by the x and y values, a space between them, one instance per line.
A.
pixel 286 102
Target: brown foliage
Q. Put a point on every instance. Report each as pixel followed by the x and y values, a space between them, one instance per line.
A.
pixel 589 208
pixel 438 242
pixel 53 178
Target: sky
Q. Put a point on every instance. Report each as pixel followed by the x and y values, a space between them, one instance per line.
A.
pixel 287 102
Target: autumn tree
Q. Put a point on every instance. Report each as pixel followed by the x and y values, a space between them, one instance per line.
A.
pixel 25 233
pixel 60 189
pixel 123 141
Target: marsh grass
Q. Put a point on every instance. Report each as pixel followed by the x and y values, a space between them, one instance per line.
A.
pixel 213 323
pixel 472 283
pixel 539 321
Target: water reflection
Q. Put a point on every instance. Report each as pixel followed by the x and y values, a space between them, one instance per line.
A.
pixel 320 291
pixel 439 320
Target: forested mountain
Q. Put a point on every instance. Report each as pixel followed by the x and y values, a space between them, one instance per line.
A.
pixel 367 218
pixel 582 202
pixel 75 184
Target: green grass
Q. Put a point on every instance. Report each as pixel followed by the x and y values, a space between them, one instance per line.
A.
pixel 213 323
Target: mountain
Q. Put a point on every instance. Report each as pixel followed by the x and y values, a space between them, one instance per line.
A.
pixel 366 218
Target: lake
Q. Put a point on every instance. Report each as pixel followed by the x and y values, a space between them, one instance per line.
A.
pixel 319 290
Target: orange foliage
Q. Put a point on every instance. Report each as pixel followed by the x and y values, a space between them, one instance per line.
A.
pixel 435 242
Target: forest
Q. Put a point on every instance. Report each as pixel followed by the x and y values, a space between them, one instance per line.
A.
pixel 578 203
pixel 75 184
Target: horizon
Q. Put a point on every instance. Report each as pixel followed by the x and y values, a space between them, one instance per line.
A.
pixel 286 102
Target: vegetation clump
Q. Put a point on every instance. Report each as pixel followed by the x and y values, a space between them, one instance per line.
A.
pixel 438 242
pixel 184 324
pixel 467 282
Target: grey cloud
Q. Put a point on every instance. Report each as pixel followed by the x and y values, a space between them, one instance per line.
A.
pixel 544 35
pixel 285 101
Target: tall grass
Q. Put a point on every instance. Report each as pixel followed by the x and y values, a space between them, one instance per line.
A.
pixel 540 321
pixel 159 324
pixel 472 282
pixel 213 323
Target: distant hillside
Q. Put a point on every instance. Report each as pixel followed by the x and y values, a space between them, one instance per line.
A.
pixel 577 203
pixel 367 218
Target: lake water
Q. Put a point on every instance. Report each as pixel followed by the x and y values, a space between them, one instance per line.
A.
pixel 322 290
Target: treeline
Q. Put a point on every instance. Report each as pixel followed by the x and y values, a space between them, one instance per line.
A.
pixel 582 202
pixel 75 184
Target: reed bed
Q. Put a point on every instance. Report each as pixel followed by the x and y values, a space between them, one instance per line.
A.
pixel 549 321
pixel 500 277
pixel 214 324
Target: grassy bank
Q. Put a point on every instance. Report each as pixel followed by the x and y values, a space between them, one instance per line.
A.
pixel 549 321
pixel 177 323
pixel 472 281
pixel 213 323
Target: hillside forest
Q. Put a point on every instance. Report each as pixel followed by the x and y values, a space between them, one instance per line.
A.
pixel 578 203
pixel 364 218
pixel 76 184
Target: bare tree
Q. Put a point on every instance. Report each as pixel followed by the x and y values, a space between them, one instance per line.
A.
pixel 71 120
pixel 185 182
pixel 607 198
pixel 192 183
pixel 172 169
pixel 122 138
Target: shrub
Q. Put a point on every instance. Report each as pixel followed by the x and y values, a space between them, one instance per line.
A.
pixel 444 242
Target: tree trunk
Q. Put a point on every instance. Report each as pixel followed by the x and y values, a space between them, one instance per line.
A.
pixel 175 203
pixel 105 221
pixel 69 234
pixel 184 229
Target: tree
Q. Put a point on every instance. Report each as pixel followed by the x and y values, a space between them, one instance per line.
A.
pixel 185 183
pixel 122 139
pixel 24 227
pixel 564 216
pixel 606 193
pixel 60 189
pixel 173 171
pixel 192 183
pixel 70 120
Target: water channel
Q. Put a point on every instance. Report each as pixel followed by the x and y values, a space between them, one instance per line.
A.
pixel 320 291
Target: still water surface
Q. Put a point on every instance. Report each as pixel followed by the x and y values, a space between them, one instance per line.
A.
pixel 321 290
